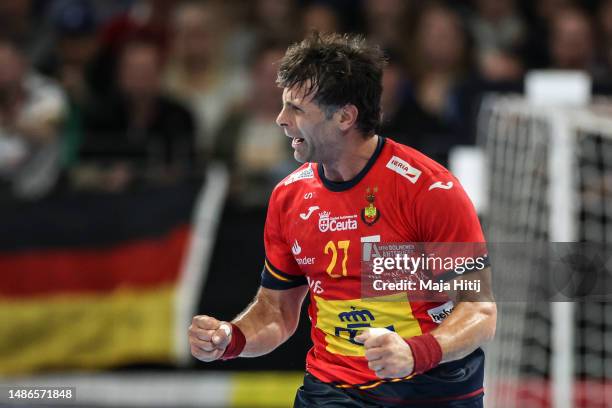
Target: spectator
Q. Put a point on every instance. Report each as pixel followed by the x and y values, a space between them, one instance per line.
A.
pixel 498 31
pixel 239 38
pixel 440 62
pixel 75 35
pixel 535 50
pixel 107 10
pixel 404 120
pixel 604 17
pixel 386 21
pixel 320 17
pixel 496 26
pixel 31 112
pixel 572 42
pixel 500 66
pixel 137 134
pixel 19 22
pixel 395 102
pixel 441 58
pixel 250 142
pixel 245 22
pixel 276 19
pixel 196 72
pixel 144 19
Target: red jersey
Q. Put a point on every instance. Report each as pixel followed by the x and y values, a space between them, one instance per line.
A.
pixel 314 232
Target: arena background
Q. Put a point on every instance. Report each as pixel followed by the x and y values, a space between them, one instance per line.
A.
pixel 138 148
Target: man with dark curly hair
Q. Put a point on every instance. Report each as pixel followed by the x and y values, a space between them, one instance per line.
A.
pixel 355 193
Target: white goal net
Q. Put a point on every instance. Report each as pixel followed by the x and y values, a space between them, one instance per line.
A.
pixel 550 181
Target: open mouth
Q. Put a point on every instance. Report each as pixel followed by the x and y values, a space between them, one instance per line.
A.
pixel 296 141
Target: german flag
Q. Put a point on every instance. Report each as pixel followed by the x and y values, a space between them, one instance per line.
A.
pixel 89 280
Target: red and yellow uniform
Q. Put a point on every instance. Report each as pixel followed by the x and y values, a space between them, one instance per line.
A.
pixel 314 233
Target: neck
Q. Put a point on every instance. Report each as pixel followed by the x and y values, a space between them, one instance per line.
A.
pixel 351 158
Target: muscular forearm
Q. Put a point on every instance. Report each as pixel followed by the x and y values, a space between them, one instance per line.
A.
pixel 268 323
pixel 469 326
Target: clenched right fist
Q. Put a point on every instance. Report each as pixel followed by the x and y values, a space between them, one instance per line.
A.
pixel 208 337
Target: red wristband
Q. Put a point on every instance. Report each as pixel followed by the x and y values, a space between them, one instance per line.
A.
pixel 426 352
pixel 236 344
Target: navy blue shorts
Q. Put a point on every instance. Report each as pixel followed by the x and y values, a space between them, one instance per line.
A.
pixel 457 384
pixel 314 394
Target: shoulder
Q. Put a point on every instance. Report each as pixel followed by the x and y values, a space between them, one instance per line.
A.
pixel 305 172
pixel 291 186
pixel 412 168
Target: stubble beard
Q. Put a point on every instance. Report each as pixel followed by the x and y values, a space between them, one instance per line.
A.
pixel 305 155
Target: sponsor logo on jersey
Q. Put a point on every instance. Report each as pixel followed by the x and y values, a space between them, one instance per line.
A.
pixel 339 223
pixel 438 314
pixel 306 173
pixel 369 248
pixel 343 319
pixel 439 184
pixel 296 249
pixel 315 285
pixel 305 260
pixel 370 214
pixel 356 321
pixel 307 214
pixel 404 169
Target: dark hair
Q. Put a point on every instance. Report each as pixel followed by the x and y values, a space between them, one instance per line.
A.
pixel 337 70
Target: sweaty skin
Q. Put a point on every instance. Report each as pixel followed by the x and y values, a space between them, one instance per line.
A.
pixel 471 324
pixel 274 314
pixel 266 323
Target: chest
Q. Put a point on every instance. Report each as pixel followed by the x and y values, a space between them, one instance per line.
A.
pixel 331 234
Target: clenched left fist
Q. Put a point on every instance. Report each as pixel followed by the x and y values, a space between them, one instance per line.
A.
pixel 387 353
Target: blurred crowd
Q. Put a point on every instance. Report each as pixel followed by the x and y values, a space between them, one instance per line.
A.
pixel 105 96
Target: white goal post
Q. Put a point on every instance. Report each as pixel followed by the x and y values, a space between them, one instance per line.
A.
pixel 550 180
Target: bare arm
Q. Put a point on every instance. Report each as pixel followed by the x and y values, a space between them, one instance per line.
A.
pixel 271 319
pixel 267 322
pixel 472 322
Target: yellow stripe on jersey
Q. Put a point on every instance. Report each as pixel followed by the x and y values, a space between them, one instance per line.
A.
pixel 374 384
pixel 276 275
pixel 366 387
pixel 342 320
